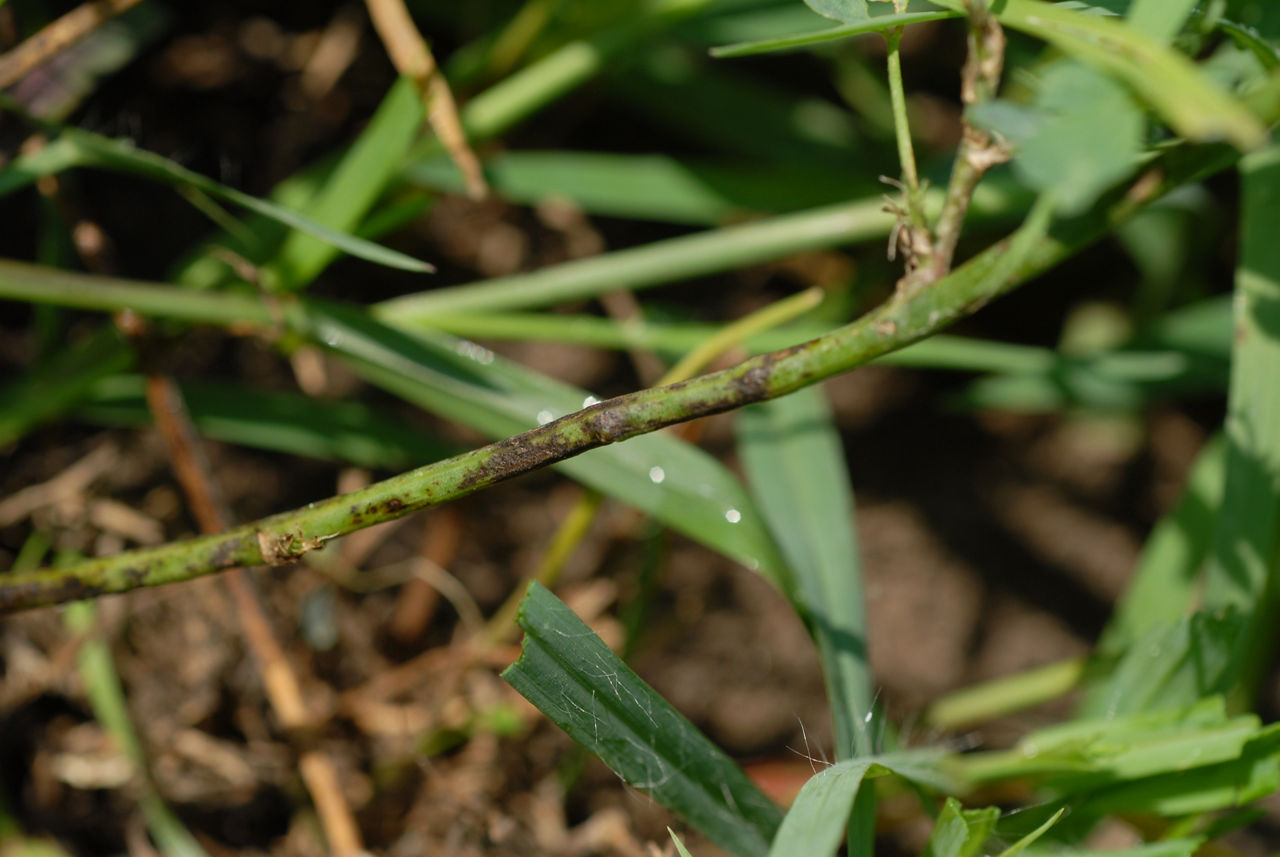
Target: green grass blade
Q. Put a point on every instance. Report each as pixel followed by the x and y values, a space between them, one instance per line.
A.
pixel 571 676
pixel 344 431
pixel 107 698
pixel 355 184
pixel 1027 841
pixel 796 469
pixel 1171 665
pixel 650 187
pixel 1172 763
pixel 60 383
pixel 680 258
pixel 1166 581
pixel 94 150
pixel 796 41
pixel 1244 571
pixel 1181 847
pixel 718 107
pixel 815 824
pixel 673 481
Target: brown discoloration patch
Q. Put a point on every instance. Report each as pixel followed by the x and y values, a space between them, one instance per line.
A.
pixel 43 592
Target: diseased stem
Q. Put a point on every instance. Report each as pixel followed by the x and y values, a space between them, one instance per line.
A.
pixel 978 153
pixel 899 322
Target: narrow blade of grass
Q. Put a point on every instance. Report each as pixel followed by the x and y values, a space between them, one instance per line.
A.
pixel 1244 571
pixel 797 472
pixel 796 41
pixel 106 697
pixel 684 257
pixel 1166 581
pixel 650 187
pixel 355 184
pixel 571 676
pixel 289 423
pixel 816 822
pixel 60 383
pixel 80 148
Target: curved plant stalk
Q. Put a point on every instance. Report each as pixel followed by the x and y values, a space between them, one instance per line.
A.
pixel 899 322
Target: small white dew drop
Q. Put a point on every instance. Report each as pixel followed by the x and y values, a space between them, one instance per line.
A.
pixel 478 353
pixel 332 337
pixel 733 516
pixel 545 416
pixel 657 474
pixel 589 401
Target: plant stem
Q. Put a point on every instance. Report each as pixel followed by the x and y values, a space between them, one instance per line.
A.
pixel 897 323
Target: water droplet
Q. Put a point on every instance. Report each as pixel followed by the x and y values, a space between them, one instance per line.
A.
pixel 478 353
pixel 656 475
pixel 753 564
pixel 733 516
pixel 867 719
pixel 332 337
pixel 589 401
pixel 545 416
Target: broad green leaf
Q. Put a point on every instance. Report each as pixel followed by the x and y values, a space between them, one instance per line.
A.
pixel 1081 135
pixel 960 832
pixel 673 481
pixel 1253 775
pixel 1160 19
pixel 345 431
pixel 1165 582
pixel 1262 17
pixel 815 824
pixel 1075 757
pixel 1163 78
pixel 1244 571
pixel 359 179
pixel 571 676
pixel 798 477
pixel 840 10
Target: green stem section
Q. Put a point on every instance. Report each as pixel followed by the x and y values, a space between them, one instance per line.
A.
pixel 284 537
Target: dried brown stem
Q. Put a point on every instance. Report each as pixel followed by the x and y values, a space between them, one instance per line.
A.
pixel 57 36
pixel 412 58
pixel 279 678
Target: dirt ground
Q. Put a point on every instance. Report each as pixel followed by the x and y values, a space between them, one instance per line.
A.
pixel 991 543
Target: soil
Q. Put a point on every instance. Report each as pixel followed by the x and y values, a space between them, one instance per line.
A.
pixel 991 542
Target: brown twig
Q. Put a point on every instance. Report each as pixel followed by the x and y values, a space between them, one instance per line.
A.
pixel 278 677
pixel 412 58
pixel 57 36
